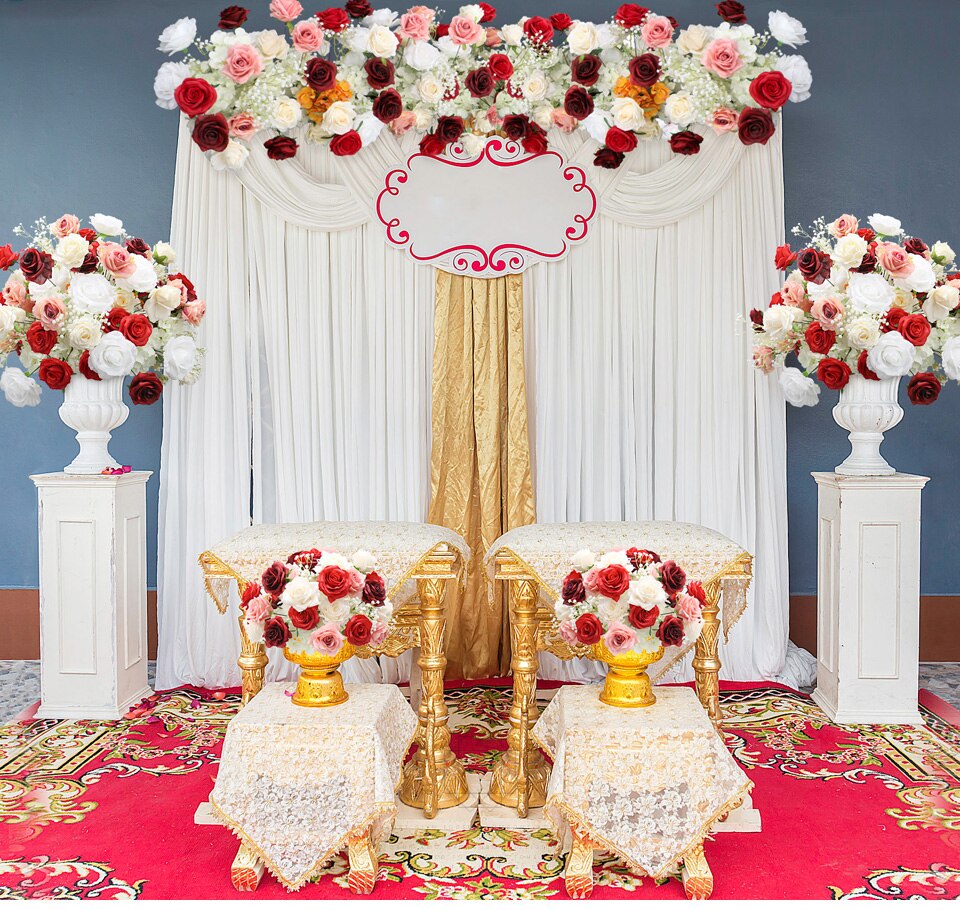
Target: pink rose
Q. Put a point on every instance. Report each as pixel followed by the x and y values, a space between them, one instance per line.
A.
pixel 845 224
pixel 15 294
pixel 657 31
pixel 116 260
pixel 465 31
pixel 65 224
pixel 619 638
pixel 242 126
pixel 722 57
pixel 259 609
pixel 307 35
pixel 327 639
pixel 723 120
pixel 828 311
pixel 423 11
pixel 794 295
pixel 568 632
pixel 180 286
pixel 378 634
pixel 493 37
pixel 689 608
pixel 894 258
pixel 194 312
pixel 242 63
pixel 492 115
pixel 403 124
pixel 285 10
pixel 763 358
pixel 50 312
pixel 414 26
pixel 563 120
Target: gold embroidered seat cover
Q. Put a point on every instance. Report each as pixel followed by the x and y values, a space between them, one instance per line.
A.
pixel 645 784
pixel 296 783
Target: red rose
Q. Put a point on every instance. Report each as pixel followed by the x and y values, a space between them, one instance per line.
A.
pixel 211 133
pixel 320 74
pixel 612 581
pixel 145 388
pixel 36 266
pixel 733 12
pixel 608 158
pixel 672 577
pixel 577 102
pixel 7 256
pixel 585 69
pixel 645 70
pixel 784 258
pixel 489 12
pixel 924 388
pixel 115 318
pixel 432 144
pixel 334 583
pixel 304 619
pixel 867 234
pixel 833 373
pixel 55 373
pixel 274 578
pixel 251 591
pixel 814 265
pixel 333 19
pixel 88 234
pixel 137 246
pixel 771 89
pixel 232 17
pixel 187 283
pixel 275 632
pixel 500 66
pixel 479 82
pixel 755 125
pixel 380 72
pixel 306 558
pixel 358 9
pixel 280 148
pixel 915 328
pixel 538 30
pixel 756 317
pixel 867 264
pixel 90 261
pixel 388 105
pixel 449 129
pixel 442 30
pixel 640 558
pixel 40 340
pixel 686 142
pixel 629 15
pixel 535 142
pixel 358 630
pixel 695 589
pixel 891 321
pixel 85 369
pixel 516 126
pixel 195 96
pixel 916 246
pixel 819 339
pixel 136 328
pixel 374 589
pixel 620 140
pixel 589 629
pixel 561 21
pixel 671 632
pixel 863 369
pixel 348 143
pixel 573 591
pixel 642 619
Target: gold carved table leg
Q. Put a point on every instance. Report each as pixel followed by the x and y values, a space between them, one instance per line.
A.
pixel 696 874
pixel 246 870
pixel 364 863
pixel 252 663
pixel 706 662
pixel 434 778
pixel 521 773
pixel 578 871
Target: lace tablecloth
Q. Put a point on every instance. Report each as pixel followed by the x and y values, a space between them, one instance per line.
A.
pixel 399 546
pixel 295 783
pixel 644 783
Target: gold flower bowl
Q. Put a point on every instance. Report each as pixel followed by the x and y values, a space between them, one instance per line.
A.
pixel 627 684
pixel 320 684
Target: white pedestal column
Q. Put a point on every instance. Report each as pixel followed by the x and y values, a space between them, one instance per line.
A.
pixel 93 594
pixel 868 598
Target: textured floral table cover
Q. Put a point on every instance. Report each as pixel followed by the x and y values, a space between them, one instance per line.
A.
pixel 295 783
pixel 645 783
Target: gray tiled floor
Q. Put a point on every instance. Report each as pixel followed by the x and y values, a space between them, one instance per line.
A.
pixel 20 684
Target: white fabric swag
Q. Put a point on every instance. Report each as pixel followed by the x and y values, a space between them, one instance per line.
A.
pixel 316 395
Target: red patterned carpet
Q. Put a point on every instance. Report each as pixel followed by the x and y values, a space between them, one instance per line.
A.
pixel 105 809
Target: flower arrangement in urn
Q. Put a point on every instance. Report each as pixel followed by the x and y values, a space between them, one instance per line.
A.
pixel 85 307
pixel 346 73
pixel 861 307
pixel 627 605
pixel 319 607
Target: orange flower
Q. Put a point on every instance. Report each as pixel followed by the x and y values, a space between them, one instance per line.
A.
pixel 316 103
pixel 624 88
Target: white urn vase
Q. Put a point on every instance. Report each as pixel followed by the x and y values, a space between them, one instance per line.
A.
pixel 93 409
pixel 867 409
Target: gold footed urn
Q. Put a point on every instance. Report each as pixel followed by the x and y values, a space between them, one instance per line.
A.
pixel 320 684
pixel 627 684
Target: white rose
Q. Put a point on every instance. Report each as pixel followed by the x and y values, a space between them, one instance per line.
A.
pixel 472 144
pixel 606 36
pixel 19 389
pixel 797 70
pixel 337 612
pixel 921 279
pixel 786 29
pixel 330 558
pixel 849 250
pixel 584 560
pixel 447 46
pixel 950 357
pixel 167 81
pixel 8 319
pixel 384 17
pixel 162 302
pixel 472 11
pixel 85 332
pixel 114 356
pixel 693 39
pixel 70 251
pixel 356 39
pixel 870 293
pixel 512 34
pixel 232 157
pixel 381 42
pixel 92 293
pixel 301 592
pixel 615 558
pixel 885 224
pixel 363 561
pixel 143 279
pixel 429 88
pixel 420 55
pixel 254 631
pixel 862 332
pixel 582 38
pixel 179 36
pixel 611 611
pixel 647 590
pixel 941 302
pixel 164 253
pixel 627 114
pixel 535 86
pixel 286 114
pixel 339 117
pixel 179 357
pixel 891 356
pixel 597 125
pixel 272 44
pixel 563 611
pixel 679 108
pixel 942 253
pixel 424 117
pixel 368 127
pixel 106 224
pixel 799 390
pixel 778 321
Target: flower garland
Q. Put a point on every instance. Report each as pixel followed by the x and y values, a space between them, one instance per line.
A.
pixel 346 73
pixel 96 302
pixel 315 601
pixel 630 599
pixel 864 300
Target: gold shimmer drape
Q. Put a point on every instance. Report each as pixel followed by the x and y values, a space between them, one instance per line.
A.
pixel 480 478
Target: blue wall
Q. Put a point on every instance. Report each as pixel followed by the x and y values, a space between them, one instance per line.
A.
pixel 881 133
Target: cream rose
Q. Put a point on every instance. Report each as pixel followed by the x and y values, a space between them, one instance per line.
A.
pixel 779 320
pixel 286 114
pixel 70 251
pixel 301 593
pixel 535 86
pixel 164 253
pixel 849 250
pixel 232 157
pixel 679 108
pixel 582 38
pixel 863 332
pixel 429 88
pixel 85 332
pixel 584 560
pixel 339 118
pixel 337 612
pixel 647 591
pixel 8 319
pixel 627 114
pixel 941 302
pixel 381 42
pixel 693 39
pixel 942 253
pixel 272 44
pixel 512 34
pixel 162 302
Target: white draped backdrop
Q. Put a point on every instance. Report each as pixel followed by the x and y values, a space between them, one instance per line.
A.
pixel 315 400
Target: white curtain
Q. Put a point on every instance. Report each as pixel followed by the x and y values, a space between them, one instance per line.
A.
pixel 315 402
